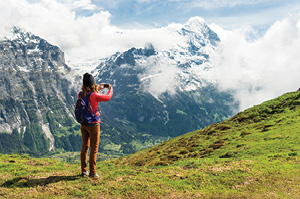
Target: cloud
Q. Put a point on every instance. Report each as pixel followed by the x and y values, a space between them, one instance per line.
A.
pixel 262 69
pixel 160 75
pixel 258 69
pixel 82 38
pixel 145 1
pixel 212 4
pixel 52 20
pixel 84 4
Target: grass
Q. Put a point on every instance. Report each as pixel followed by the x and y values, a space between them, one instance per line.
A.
pixel 255 154
pixel 25 177
pixel 268 129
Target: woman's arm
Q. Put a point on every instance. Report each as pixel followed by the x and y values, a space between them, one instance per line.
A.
pixel 100 97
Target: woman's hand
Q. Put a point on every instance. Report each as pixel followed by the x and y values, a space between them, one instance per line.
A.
pixel 110 87
pixel 101 87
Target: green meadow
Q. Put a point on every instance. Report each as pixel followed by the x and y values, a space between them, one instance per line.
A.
pixel 255 154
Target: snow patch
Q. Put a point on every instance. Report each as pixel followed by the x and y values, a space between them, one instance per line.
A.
pixel 46 130
pixel 84 67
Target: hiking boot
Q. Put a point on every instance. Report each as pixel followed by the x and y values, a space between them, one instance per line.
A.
pixel 96 175
pixel 85 174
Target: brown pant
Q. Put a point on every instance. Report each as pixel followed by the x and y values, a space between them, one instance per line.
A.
pixel 90 136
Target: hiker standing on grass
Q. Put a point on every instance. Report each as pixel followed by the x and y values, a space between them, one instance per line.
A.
pixel 91 132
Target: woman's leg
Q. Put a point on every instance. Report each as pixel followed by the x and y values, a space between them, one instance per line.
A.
pixel 84 148
pixel 94 140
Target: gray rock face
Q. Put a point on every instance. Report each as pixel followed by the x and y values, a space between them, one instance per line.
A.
pixel 33 84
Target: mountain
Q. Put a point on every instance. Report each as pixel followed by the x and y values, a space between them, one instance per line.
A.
pixel 37 102
pixel 163 92
pixel 266 130
pixel 37 94
pixel 158 94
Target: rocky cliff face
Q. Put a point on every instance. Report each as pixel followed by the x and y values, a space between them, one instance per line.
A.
pixel 34 85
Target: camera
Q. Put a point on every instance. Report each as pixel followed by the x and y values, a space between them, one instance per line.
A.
pixel 105 85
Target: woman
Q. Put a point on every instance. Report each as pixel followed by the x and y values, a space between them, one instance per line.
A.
pixel 91 132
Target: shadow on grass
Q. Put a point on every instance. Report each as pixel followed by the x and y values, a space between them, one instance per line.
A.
pixel 27 182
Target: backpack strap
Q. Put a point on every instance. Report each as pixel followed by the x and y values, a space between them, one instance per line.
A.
pixel 87 97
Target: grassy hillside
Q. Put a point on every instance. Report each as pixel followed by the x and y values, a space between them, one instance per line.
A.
pixel 271 129
pixel 255 154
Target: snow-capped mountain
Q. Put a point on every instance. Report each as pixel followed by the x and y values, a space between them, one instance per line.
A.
pixel 166 92
pixel 157 92
pixel 38 93
pixel 184 63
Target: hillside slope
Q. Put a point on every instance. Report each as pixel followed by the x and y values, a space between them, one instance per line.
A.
pixel 252 155
pixel 269 129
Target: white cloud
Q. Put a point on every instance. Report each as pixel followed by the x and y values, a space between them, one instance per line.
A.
pixel 261 69
pixel 160 76
pixel 145 1
pixel 80 37
pixel 212 4
pixel 84 4
pixel 51 20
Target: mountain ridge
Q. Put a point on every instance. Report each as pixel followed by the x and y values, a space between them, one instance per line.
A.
pixel 158 94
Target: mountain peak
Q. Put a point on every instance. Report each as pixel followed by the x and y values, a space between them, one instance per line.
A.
pixel 195 23
pixel 199 32
pixel 31 52
pixel 22 36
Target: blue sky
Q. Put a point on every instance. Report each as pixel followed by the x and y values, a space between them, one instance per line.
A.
pixel 227 13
